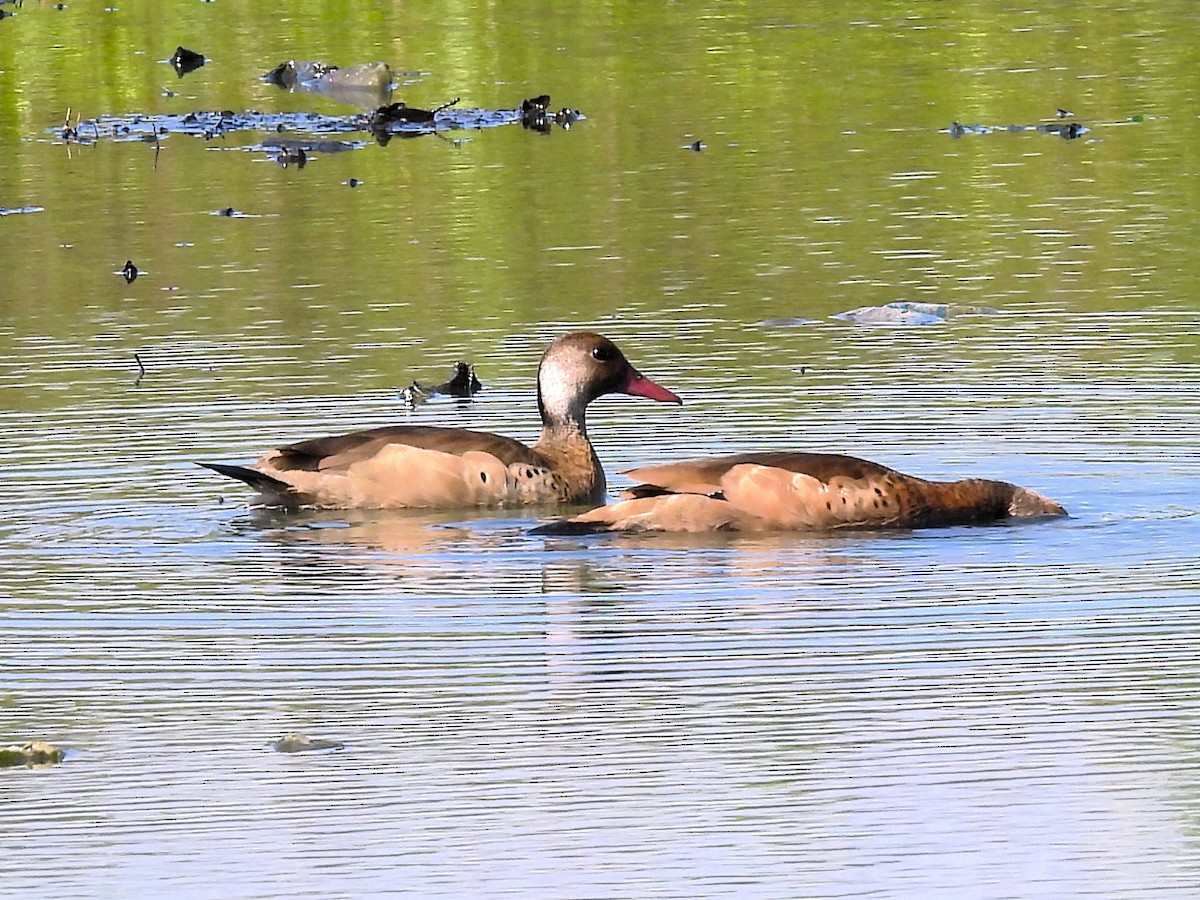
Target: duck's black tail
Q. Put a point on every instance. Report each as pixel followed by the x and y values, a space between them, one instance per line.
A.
pixel 265 484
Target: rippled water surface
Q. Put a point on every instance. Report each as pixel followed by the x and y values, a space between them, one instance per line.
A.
pixel 970 712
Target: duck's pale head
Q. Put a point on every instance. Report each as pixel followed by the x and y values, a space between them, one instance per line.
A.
pixel 581 366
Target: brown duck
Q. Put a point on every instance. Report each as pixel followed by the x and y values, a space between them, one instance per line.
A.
pixel 453 468
pixel 780 491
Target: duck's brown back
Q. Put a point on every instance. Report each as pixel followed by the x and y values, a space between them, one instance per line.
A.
pixel 413 467
pixel 340 451
pixel 704 476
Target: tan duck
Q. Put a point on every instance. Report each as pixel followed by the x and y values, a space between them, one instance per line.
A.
pixel 453 468
pixel 782 491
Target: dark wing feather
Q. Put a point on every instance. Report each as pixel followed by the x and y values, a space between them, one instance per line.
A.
pixel 311 455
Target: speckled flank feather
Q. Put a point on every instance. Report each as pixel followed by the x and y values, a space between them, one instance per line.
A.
pixel 805 491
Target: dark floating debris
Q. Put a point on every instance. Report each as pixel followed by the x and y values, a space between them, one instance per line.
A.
pixel 1068 131
pixel 228 212
pixel 462 384
pixel 298 152
pixel 1064 113
pixel 129 272
pixel 34 755
pixel 697 146
pixel 536 114
pixel 291 156
pixel 295 72
pixel 401 113
pixel 540 103
pixel 352 182
pixel 185 61
pixel 300 743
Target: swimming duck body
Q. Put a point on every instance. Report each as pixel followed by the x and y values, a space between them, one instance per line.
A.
pixel 785 490
pixel 451 468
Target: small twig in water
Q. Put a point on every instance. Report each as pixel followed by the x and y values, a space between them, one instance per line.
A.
pixel 141 369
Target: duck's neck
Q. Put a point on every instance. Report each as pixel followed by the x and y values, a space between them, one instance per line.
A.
pixel 565 446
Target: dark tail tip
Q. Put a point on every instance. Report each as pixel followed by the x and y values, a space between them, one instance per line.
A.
pixel 257 480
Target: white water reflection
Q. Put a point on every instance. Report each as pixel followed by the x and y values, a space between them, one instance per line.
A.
pixel 636 719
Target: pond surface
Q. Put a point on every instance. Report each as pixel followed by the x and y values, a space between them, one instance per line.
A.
pixel 983 712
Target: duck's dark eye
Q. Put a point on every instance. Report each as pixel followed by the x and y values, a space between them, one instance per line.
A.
pixel 602 354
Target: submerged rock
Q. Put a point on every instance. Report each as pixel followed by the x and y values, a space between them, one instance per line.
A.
pixel 365 86
pixel 300 743
pixel 907 312
pixel 34 754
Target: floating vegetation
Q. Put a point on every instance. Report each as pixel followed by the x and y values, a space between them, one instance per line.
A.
pixel 34 755
pixel 383 123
